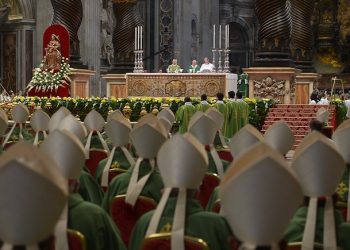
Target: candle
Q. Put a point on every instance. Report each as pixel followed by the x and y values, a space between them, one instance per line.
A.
pixel 141 38
pixel 228 36
pixel 214 36
pixel 135 38
pixel 219 36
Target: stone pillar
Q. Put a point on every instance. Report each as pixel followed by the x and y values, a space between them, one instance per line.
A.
pixel 301 34
pixel 127 18
pixel 70 14
pixel 273 39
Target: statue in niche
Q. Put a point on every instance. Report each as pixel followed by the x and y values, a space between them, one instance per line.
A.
pixel 53 57
pixel 4 12
pixel 107 26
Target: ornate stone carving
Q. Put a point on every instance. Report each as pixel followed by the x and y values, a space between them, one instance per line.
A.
pixel 53 57
pixel 212 88
pixel 270 88
pixel 175 88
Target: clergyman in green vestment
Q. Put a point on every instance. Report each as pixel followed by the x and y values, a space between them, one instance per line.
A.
pixel 194 68
pixel 204 104
pixel 184 114
pixel 174 67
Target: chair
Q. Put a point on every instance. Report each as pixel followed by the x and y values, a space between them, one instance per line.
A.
pixel 163 242
pixel 95 156
pixel 125 216
pixel 76 240
pixel 297 246
pixel 113 172
pixel 210 182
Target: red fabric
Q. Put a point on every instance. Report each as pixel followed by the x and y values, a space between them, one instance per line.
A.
pixel 63 34
pixel 164 244
pixel 210 182
pixel 75 242
pixel 113 173
pixel 225 155
pixel 95 156
pixel 217 207
pixel 126 216
pixel 63 91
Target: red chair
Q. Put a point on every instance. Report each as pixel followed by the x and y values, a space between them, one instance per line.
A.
pixel 95 156
pixel 76 240
pixel 210 182
pixel 125 216
pixel 163 242
pixel 114 172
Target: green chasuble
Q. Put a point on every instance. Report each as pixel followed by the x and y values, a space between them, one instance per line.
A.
pixel 89 189
pixel 119 161
pixel 343 188
pixel 184 115
pixel 210 227
pixel 295 230
pixel 213 198
pixel 194 69
pixel 174 68
pixel 95 142
pixel 212 166
pixel 203 106
pixel 231 119
pixel 343 236
pixel 243 114
pixel 94 223
pixel 119 185
pixel 27 136
pixel 221 106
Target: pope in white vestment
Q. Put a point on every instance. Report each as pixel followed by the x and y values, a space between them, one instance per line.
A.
pixel 207 66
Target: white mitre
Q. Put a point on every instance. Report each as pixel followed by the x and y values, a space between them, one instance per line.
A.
pixel 280 137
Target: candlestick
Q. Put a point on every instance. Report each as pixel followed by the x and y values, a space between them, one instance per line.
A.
pixel 220 36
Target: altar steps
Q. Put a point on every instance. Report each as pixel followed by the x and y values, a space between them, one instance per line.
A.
pixel 297 117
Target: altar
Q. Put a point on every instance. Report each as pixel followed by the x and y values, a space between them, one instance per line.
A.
pixel 170 85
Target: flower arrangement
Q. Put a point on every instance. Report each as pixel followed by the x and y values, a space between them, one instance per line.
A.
pixel 82 106
pixel 48 80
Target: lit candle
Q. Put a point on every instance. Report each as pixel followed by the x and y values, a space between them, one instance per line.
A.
pixel 214 36
pixel 228 36
pixel 220 36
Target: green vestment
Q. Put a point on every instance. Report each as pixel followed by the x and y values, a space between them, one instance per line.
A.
pixel 27 136
pixel 212 166
pixel 119 161
pixel 119 185
pixel 184 115
pixel 210 227
pixel 231 119
pixel 203 106
pixel 295 230
pixel 213 198
pixel 221 107
pixel 94 223
pixel 343 236
pixel 89 189
pixel 174 68
pixel 194 69
pixel 243 114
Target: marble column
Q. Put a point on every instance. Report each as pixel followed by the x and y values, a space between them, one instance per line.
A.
pixel 301 34
pixel 273 37
pixel 127 18
pixel 70 14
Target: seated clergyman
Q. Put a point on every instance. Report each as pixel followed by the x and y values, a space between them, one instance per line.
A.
pixel 174 67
